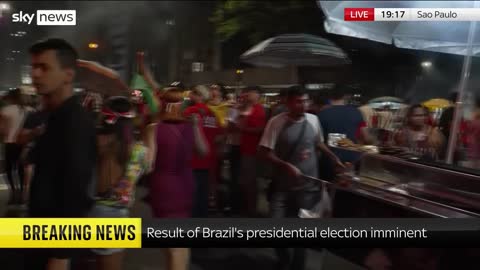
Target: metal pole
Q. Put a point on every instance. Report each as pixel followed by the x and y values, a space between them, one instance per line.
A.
pixel 461 93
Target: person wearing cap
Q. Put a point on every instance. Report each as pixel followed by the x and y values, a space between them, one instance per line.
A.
pixel 202 166
pixel 121 162
pixel 171 186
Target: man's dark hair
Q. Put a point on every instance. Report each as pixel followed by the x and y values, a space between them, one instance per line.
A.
pixel 15 96
pixel 283 93
pixel 453 97
pixel 339 91
pixel 296 91
pixel 414 107
pixel 319 99
pixel 66 54
pixel 253 88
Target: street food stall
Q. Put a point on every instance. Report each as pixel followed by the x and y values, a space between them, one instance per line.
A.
pixel 458 38
pixel 419 187
pixel 392 185
pixel 389 181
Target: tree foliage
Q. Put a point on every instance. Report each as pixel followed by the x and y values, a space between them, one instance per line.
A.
pixel 259 20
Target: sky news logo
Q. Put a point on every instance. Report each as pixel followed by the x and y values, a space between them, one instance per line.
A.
pixel 47 17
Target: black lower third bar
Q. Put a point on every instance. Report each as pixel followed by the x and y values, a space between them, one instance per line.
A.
pixel 330 233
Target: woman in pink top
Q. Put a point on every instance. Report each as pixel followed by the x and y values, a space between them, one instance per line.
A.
pixel 171 184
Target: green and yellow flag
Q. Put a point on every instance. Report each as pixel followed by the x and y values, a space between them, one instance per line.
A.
pixel 139 83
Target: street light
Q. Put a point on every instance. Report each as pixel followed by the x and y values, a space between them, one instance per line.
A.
pixel 4 7
pixel 426 64
pixel 92 45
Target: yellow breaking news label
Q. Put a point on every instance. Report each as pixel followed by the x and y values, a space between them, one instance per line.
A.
pixel 70 233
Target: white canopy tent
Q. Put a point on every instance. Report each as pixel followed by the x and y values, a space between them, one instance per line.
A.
pixel 453 37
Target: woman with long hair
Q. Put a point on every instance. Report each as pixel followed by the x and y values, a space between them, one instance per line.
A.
pixel 121 162
pixel 171 183
pixel 418 136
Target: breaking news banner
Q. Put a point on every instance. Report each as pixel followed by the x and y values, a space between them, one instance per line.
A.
pixel 70 233
pixel 160 233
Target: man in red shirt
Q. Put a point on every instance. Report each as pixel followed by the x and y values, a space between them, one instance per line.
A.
pixel 202 166
pixel 251 125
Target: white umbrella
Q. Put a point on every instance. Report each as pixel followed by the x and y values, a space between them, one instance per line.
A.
pixel 454 37
pixel 386 99
pixel 295 50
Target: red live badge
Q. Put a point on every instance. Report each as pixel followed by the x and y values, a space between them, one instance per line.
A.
pixel 359 14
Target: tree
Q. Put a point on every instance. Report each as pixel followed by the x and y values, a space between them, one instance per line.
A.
pixel 259 20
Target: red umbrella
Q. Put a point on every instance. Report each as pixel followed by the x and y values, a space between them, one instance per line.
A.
pixel 97 78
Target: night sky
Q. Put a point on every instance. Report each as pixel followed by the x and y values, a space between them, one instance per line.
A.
pixel 379 69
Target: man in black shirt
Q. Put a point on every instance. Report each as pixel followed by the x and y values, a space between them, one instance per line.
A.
pixel 65 153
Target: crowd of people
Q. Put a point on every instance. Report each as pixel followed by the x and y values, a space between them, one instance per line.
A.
pixel 80 158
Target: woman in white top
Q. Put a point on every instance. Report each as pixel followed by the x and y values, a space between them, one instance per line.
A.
pixel 12 118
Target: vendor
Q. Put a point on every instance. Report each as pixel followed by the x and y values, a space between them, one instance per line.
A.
pixel 419 137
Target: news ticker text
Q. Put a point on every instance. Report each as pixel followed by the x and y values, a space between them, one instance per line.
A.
pixel 155 233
